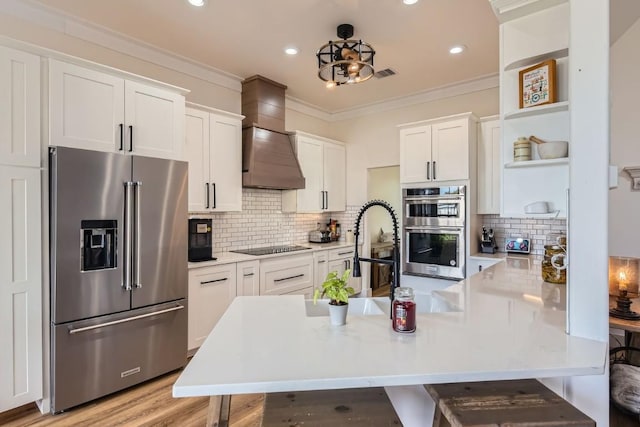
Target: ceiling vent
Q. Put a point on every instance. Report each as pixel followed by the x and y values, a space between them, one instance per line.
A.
pixel 387 72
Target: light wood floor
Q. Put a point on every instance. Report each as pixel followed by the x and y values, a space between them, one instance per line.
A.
pixel 148 404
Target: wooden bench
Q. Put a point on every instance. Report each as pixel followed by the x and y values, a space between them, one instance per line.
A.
pixel 518 403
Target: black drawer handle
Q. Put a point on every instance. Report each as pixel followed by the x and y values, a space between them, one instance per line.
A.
pixel 289 278
pixel 321 261
pixel 214 281
pixel 345 253
pixel 248 275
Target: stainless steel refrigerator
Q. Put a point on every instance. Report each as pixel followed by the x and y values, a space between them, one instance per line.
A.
pixel 118 250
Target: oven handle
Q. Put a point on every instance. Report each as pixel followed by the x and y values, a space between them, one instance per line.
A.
pixel 435 228
pixel 432 198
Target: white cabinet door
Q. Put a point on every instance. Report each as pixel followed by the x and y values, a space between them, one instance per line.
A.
pixel 310 157
pixel 226 163
pixel 155 121
pixel 287 274
pixel 450 150
pixel 489 167
pixel 415 154
pixel 19 108
pixel 320 268
pixel 248 273
pixel 342 259
pixel 86 108
pixel 21 290
pixel 334 174
pixel 197 154
pixel 211 290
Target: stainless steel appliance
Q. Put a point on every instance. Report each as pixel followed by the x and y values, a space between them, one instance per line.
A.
pixel 319 236
pixel 200 239
pixel 118 272
pixel 434 230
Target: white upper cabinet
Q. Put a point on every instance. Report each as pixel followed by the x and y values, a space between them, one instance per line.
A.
pixel 436 150
pixel 489 166
pixel 214 152
pixel 95 110
pixel 19 108
pixel 323 164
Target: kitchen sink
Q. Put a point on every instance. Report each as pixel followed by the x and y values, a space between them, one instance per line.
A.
pixel 357 307
pixel 425 303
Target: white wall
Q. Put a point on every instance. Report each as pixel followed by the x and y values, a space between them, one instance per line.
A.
pixel 384 184
pixel 624 204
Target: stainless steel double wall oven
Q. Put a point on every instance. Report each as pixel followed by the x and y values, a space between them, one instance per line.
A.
pixel 434 231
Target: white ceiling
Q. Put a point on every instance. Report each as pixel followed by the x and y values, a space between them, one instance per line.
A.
pixel 247 37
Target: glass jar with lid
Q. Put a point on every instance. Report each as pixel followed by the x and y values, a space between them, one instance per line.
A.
pixel 404 310
pixel 555 261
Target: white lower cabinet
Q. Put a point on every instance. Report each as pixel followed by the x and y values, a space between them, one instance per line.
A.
pixel 342 259
pixel 248 273
pixel 477 264
pixel 211 290
pixel 20 287
pixel 287 275
pixel 320 268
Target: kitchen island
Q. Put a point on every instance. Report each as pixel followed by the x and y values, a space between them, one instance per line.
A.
pixel 502 323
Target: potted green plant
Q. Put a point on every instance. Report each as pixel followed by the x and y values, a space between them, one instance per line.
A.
pixel 337 290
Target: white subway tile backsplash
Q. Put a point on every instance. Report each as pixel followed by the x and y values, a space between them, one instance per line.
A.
pixel 262 222
pixel 534 229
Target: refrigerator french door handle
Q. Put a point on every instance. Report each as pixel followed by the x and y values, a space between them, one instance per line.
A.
pixel 128 235
pixel 137 240
pixel 128 319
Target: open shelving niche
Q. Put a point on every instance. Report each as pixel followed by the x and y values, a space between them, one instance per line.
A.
pixel 538 179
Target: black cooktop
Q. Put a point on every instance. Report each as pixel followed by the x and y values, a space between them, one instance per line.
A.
pixel 269 250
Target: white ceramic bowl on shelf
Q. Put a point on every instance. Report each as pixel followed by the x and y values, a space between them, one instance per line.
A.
pixel 553 149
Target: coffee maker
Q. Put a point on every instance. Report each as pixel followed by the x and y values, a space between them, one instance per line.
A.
pixel 200 240
pixel 488 242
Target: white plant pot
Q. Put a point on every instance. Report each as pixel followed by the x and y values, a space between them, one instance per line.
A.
pixel 338 314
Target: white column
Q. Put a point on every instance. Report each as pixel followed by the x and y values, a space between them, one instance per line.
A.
pixel 588 218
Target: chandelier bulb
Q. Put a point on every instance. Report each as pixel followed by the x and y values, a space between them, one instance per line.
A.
pixel 331 84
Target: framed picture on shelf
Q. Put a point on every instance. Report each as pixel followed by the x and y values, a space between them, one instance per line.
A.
pixel 538 84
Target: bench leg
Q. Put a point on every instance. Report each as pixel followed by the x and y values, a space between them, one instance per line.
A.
pixel 218 413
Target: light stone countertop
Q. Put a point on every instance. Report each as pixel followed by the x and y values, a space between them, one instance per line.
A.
pixel 511 326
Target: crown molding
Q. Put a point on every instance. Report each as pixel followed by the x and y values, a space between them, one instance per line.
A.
pixel 456 89
pixel 61 22
pixel 506 10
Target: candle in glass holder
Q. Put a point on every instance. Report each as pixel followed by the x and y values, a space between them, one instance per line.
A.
pixel 622 281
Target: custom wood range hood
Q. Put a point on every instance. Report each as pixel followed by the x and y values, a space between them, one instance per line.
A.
pixel 268 157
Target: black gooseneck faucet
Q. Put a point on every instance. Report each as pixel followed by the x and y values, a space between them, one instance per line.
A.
pixel 395 262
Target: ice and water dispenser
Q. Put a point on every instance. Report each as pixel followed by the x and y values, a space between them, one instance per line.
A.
pixel 98 244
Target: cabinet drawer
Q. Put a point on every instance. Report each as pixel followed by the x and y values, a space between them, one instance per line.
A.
pixel 340 253
pixel 286 275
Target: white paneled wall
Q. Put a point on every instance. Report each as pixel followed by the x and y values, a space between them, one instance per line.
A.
pixel 534 229
pixel 262 222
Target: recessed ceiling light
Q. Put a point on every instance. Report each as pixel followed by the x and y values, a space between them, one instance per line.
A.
pixel 291 51
pixel 409 1
pixel 457 49
pixel 198 3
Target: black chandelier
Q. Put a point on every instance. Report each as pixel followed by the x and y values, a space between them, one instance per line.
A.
pixel 345 61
